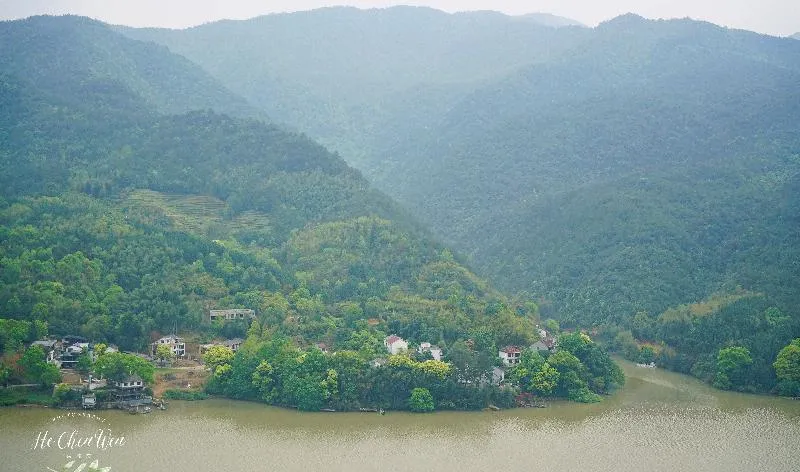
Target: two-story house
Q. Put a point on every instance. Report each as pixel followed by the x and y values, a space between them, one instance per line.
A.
pixel 510 355
pixel 174 342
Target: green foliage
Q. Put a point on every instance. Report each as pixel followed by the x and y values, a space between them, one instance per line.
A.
pixel 65 395
pixel 27 396
pixel 36 370
pixel 544 380
pixel 188 395
pixel 217 356
pixel 15 333
pixel 421 400
pixel 142 221
pixel 732 365
pixel 691 337
pixel 164 353
pixel 787 369
pixel 84 363
pixel 117 366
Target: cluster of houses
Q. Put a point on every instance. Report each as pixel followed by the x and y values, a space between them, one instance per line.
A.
pixel 396 345
pixel 508 355
pixel 66 352
pixel 128 393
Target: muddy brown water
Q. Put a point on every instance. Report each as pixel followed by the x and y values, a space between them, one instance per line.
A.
pixel 660 421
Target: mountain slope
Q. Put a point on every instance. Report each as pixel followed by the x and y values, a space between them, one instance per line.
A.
pixel 64 55
pixel 353 78
pixel 120 222
pixel 634 166
pixel 643 170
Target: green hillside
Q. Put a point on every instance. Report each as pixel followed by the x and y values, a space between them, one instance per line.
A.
pixel 121 223
pixel 628 168
pixel 67 56
pixel 647 183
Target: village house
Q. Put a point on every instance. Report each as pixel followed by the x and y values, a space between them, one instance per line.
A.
pixel 129 393
pixel 70 339
pixel 233 344
pixel 322 347
pixel 232 314
pixel 89 401
pixel 544 344
pixel 49 348
pixel 174 342
pixel 436 351
pixel 510 355
pixel 68 359
pixel 395 344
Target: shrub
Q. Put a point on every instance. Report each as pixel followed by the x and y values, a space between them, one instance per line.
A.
pixel 421 400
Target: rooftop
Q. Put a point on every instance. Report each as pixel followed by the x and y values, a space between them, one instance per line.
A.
pixel 393 339
pixel 511 350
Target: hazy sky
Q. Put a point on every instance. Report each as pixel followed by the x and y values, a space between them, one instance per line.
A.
pixel 777 17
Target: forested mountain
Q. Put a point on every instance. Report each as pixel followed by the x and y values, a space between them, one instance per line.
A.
pixel 618 174
pixel 649 168
pixel 357 79
pixel 620 170
pixel 633 166
pixel 71 57
pixel 119 222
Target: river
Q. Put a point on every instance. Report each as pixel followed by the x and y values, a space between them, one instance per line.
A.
pixel 660 421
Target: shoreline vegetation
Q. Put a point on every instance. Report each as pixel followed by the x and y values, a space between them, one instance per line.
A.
pixel 272 370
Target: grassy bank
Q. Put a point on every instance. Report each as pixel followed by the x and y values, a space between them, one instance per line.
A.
pixel 26 396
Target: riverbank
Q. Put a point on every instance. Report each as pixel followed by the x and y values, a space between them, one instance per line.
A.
pixel 660 421
pixel 26 396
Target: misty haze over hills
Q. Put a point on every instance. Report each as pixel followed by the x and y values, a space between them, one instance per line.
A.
pixel 613 174
pixel 484 125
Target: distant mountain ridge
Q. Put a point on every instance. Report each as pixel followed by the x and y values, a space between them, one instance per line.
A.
pixel 86 50
pixel 548 19
pixel 344 75
pixel 511 155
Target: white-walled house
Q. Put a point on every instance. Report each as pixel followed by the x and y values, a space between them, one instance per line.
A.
pixel 130 382
pixel 436 351
pixel 395 344
pixel 174 342
pixel 510 355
